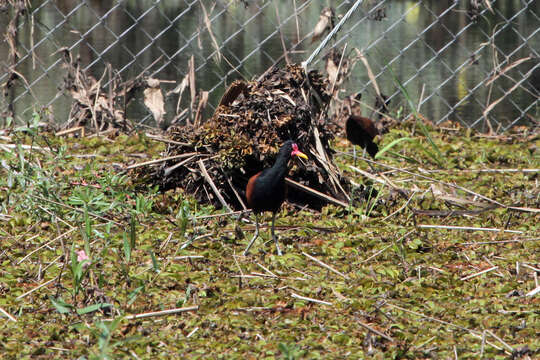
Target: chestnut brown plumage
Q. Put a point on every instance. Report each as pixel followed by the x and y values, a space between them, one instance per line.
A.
pixel 265 191
pixel 361 131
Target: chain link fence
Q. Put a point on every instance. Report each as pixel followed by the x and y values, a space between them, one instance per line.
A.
pixel 471 61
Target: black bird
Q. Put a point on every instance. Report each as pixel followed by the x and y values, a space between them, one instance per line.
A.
pixel 361 131
pixel 265 191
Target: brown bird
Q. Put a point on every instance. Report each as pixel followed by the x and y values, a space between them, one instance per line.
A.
pixel 265 191
pixel 361 131
pixel 325 23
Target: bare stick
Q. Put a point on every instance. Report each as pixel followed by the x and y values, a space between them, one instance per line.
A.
pixel 492 264
pixel 168 141
pixel 467 228
pixel 483 170
pixel 434 319
pixel 401 208
pixel 188 257
pixel 533 292
pixel 162 313
pixel 479 273
pixel 36 288
pixel 507 93
pixel 530 267
pixel 267 270
pixel 46 244
pixel 498 242
pixel 483 344
pixel 369 73
pixel 192 332
pixel 386 247
pixel 316 193
pixel 300 297
pixel 489 343
pixel 238 197
pixel 377 332
pixel 323 43
pixel 506 69
pixel 325 265
pixel 230 213
pixel 301 272
pixel 8 315
pixel 157 161
pixel 170 169
pixel 212 185
pixel 511 349
pixel 23 146
pixel 285 51
pixel 71 130
pixel 76 209
pixel 208 24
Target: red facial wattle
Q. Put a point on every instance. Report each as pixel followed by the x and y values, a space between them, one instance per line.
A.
pixel 296 152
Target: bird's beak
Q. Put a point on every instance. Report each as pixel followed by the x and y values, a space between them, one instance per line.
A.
pixel 299 154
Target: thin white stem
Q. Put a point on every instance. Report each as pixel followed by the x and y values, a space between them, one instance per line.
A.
pixel 325 265
pixel 468 228
pixel 300 297
pixel 162 313
pixel 35 289
pixel 8 315
pixel 479 273
pixel 375 331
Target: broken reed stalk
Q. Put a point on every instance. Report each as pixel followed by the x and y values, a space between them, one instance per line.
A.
pixel 314 192
pixel 212 185
pixel 323 43
pixel 46 244
pixel 267 270
pixel 375 331
pixel 325 265
pixel 300 297
pixel 471 228
pixel 479 273
pixel 36 288
pixel 8 315
pixel 533 292
pixel 157 161
pixel 162 313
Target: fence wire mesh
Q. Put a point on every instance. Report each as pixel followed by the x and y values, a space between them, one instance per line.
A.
pixel 475 62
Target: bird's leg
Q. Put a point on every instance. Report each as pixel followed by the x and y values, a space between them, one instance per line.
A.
pixel 354 154
pixel 274 234
pixel 254 236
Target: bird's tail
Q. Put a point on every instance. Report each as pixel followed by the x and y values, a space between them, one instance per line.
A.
pixel 372 148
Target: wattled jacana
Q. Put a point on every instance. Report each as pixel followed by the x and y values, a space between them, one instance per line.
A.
pixel 265 191
pixel 361 131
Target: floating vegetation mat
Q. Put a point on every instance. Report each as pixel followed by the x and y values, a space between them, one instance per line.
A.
pixel 444 262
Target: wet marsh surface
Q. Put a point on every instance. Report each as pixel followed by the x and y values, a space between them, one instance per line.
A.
pixel 424 292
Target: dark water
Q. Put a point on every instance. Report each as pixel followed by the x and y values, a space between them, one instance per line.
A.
pixel 427 45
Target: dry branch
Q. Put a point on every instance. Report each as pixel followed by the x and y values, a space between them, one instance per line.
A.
pixel 161 313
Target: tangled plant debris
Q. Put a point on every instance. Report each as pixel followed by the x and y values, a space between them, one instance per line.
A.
pixel 214 161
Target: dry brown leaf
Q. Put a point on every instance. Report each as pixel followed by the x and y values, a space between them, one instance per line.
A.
pixel 153 99
pixel 331 70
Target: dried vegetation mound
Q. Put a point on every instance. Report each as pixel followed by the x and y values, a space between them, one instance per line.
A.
pixel 215 160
